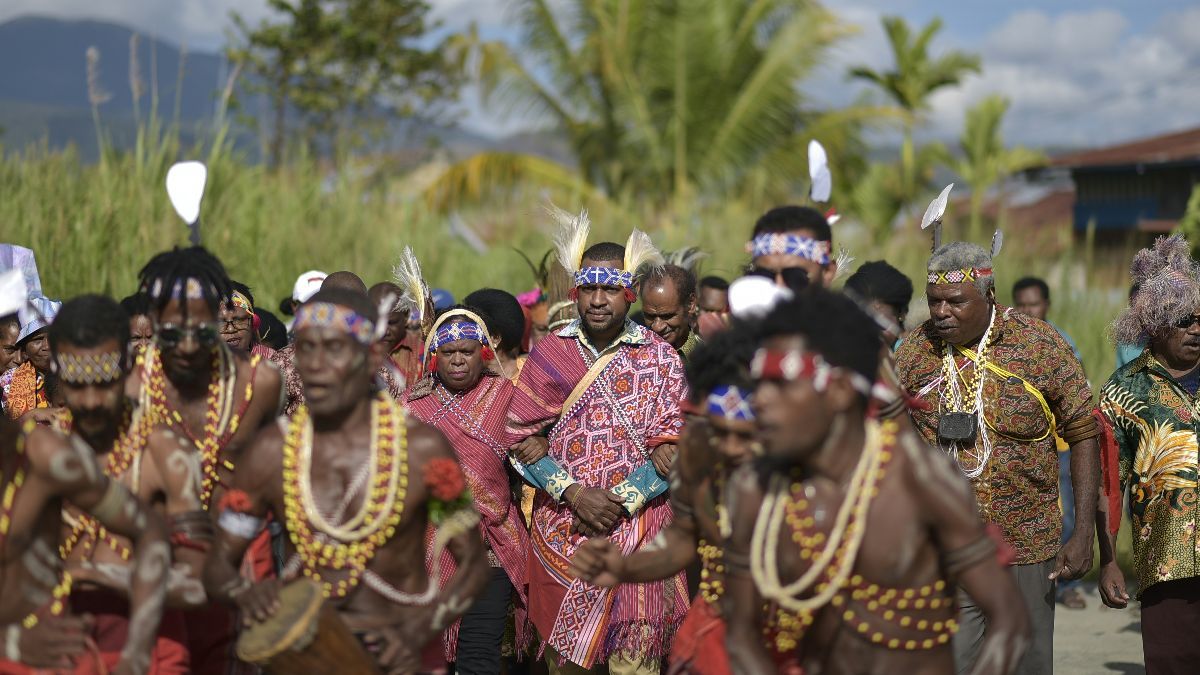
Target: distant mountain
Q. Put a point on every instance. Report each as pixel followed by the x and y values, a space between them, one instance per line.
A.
pixel 45 63
pixel 44 93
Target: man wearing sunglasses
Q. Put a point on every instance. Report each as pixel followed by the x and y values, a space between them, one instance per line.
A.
pixel 1151 403
pixel 792 245
pixel 194 385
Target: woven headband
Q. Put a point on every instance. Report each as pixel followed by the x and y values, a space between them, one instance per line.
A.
pixel 445 318
pixel 959 276
pixel 603 276
pixel 459 330
pixel 730 402
pixel 238 299
pixel 791 365
pixel 89 368
pixel 779 243
pixel 329 315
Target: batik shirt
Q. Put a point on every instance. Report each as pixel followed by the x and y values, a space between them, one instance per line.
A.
pixel 1155 422
pixel 1018 489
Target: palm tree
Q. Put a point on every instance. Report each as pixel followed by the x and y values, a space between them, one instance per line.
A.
pixel 671 99
pixel 914 78
pixel 984 160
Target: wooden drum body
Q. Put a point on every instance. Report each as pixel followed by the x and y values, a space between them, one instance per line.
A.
pixel 304 636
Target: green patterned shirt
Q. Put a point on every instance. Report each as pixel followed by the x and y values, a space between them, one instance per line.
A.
pixel 1155 423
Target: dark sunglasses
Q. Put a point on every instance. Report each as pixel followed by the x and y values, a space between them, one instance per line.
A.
pixel 170 336
pixel 1187 321
pixel 794 278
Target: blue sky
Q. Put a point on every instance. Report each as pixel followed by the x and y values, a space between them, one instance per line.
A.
pixel 1079 72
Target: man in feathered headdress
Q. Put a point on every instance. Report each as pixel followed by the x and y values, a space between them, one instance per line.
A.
pixel 611 390
pixel 997 386
pixel 1150 402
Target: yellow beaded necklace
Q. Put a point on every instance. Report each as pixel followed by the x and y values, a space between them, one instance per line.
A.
pixel 63 588
pixel 219 418
pixel 352 545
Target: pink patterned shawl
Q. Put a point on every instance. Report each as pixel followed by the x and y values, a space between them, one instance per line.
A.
pixel 473 423
pixel 587 624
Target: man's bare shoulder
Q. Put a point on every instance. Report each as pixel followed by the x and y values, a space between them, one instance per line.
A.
pixel 926 468
pixel 58 459
pixel 425 442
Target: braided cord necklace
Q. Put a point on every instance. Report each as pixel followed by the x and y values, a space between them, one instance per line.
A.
pixel 952 400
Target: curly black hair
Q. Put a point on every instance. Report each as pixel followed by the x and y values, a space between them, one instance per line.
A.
pixel 722 359
pixel 502 313
pixel 832 325
pixel 89 321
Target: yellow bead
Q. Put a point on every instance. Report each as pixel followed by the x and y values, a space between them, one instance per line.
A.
pixel 863 628
pixel 904 621
pixel 922 624
pixel 889 615
pixel 911 644
pixel 901 604
pixel 919 603
pixel 877 637
pixel 893 643
pixel 848 615
pixel 928 644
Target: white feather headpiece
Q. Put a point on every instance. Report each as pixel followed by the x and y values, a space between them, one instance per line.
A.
pixel 640 250
pixel 687 258
pixel 407 274
pixel 571 238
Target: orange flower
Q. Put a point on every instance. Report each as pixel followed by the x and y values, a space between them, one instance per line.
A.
pixel 444 479
pixel 236 501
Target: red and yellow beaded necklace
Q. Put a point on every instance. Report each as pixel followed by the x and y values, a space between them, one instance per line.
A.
pixel 63 588
pixel 351 545
pixel 130 442
pixel 220 419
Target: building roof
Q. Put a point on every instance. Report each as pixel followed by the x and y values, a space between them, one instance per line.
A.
pixel 1180 146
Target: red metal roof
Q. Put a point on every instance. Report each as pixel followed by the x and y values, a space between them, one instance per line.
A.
pixel 1173 147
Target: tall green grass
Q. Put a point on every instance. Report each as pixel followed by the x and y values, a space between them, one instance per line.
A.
pixel 94 225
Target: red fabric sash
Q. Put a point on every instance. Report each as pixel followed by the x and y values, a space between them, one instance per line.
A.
pixel 1110 470
pixel 699 647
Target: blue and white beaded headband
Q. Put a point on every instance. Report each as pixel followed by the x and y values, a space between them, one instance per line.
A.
pixel 603 276
pixel 730 402
pixel 779 243
pixel 329 315
pixel 459 330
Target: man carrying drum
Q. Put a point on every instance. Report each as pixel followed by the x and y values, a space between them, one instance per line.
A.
pixel 356 483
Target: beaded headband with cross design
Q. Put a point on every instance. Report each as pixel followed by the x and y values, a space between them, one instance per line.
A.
pixel 959 276
pixel 729 402
pixel 793 364
pixel 329 315
pixel 440 329
pixel 604 276
pixel 459 330
pixel 88 369
pixel 782 243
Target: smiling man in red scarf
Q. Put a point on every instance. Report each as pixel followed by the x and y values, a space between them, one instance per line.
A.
pixel 611 389
pixel 467 402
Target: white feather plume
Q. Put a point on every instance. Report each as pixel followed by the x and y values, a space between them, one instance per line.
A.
pixel 937 208
pixel 407 274
pixel 639 251
pixel 997 242
pixel 844 261
pixel 386 304
pixel 687 258
pixel 570 240
pixel 818 172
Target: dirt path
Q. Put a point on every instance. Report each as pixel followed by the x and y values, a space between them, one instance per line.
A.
pixel 1097 640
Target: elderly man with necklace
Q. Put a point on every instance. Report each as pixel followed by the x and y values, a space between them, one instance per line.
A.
pixel 467 401
pixel 997 386
pixel 611 390
pixel 854 531
pixel 1151 403
pixel 348 450
pixel 191 383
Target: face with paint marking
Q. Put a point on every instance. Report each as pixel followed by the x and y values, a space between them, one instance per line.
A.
pixel 336 370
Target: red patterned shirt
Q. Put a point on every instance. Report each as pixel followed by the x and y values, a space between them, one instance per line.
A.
pixel 1018 489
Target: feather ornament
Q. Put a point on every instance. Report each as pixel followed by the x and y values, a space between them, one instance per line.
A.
pixel 688 258
pixel 639 251
pixel 570 240
pixel 934 214
pixel 997 242
pixel 407 274
pixel 818 172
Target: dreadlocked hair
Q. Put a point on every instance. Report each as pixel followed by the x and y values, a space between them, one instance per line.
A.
pixel 171 269
pixel 723 359
pixel 832 325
